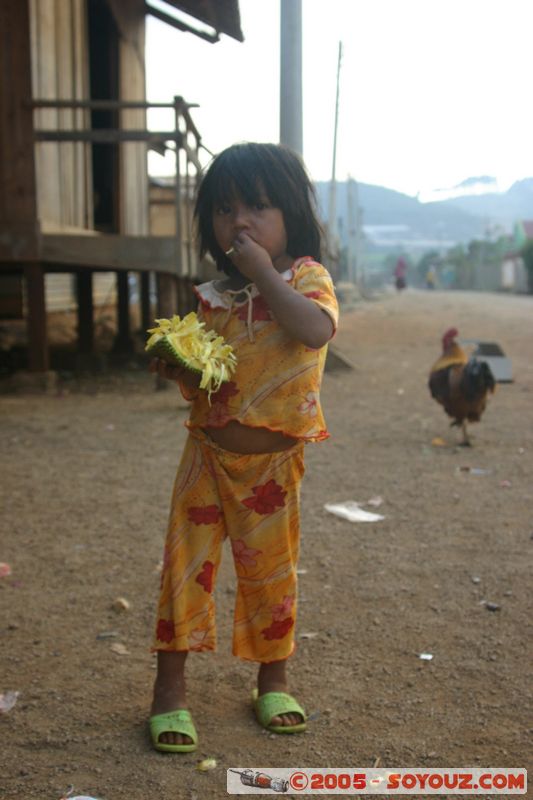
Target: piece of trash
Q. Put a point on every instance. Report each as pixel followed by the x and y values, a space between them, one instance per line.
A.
pixel 206 765
pixel 475 579
pixel 121 604
pixel 110 427
pixel 107 635
pixel 159 567
pixel 79 797
pixel 301 572
pixel 426 656
pixel 521 451
pixel 474 470
pixel 492 606
pixel 120 649
pixel 376 763
pixel 7 701
pixel 308 635
pixel 352 511
pixel 5 570
pixel 438 442
pixel 375 501
pixel 505 484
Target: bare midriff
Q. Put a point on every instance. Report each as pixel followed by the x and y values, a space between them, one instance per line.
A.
pixel 239 438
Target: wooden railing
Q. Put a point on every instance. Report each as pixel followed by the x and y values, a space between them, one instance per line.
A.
pixel 184 139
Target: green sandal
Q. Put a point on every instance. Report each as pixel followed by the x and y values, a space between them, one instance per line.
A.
pixel 179 721
pixel 273 704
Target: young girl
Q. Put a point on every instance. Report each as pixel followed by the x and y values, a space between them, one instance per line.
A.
pixel 241 469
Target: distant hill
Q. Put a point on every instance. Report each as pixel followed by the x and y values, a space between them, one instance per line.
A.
pixel 445 221
pixel 503 208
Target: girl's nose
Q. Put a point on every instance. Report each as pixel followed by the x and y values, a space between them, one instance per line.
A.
pixel 241 217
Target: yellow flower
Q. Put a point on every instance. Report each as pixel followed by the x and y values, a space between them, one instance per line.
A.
pixel 186 342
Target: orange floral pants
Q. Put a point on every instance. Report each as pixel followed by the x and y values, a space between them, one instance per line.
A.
pixel 254 501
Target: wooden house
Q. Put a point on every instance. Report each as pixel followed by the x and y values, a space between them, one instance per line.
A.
pixel 73 165
pixel 514 276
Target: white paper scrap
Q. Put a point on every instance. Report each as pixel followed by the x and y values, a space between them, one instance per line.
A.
pixel 352 512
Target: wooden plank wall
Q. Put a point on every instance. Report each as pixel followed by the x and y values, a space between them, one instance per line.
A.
pixel 130 18
pixel 60 71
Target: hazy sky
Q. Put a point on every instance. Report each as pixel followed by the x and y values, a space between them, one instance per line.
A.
pixel 432 91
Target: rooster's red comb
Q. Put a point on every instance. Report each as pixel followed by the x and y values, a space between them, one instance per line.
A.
pixel 449 336
pixel 451 333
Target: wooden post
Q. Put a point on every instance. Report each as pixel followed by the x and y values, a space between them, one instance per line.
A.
pixel 84 292
pixel 179 233
pixel 181 299
pixel 17 169
pixel 18 216
pixel 166 295
pixel 146 310
pixel 123 341
pixel 166 306
pixel 37 336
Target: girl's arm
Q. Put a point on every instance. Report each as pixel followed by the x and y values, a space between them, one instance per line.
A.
pixel 300 317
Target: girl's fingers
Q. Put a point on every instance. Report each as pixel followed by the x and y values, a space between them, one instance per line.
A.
pixel 174 373
pixel 164 370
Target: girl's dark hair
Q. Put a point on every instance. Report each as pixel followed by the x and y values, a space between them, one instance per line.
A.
pixel 245 170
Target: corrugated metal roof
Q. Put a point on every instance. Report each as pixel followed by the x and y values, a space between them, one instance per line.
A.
pixel 222 15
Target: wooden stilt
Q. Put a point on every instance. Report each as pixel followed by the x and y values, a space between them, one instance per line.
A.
pixel 166 295
pixel 123 340
pixel 84 291
pixel 39 359
pixel 146 310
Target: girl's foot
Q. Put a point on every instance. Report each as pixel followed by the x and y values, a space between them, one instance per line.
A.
pixel 272 677
pixel 169 692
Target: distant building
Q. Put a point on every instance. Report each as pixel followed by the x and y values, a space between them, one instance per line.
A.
pixel 513 272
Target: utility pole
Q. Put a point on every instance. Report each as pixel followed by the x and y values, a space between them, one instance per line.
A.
pixel 332 215
pixel 353 255
pixel 290 111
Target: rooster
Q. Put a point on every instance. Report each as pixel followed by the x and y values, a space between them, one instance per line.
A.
pixel 460 384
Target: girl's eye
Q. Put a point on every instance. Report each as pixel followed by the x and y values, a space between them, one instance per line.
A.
pixel 261 206
pixel 221 210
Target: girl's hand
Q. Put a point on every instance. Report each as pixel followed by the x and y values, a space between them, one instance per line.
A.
pixel 174 373
pixel 250 258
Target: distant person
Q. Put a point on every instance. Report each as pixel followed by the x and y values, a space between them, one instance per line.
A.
pixel 400 274
pixel 431 278
pixel 242 465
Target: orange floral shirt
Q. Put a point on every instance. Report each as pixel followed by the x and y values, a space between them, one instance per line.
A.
pixel 276 383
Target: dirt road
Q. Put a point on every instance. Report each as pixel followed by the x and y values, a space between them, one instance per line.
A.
pixel 85 491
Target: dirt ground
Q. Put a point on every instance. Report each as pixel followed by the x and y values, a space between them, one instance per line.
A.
pixel 85 489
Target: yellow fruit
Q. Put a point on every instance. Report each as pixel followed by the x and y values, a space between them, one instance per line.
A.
pixel 186 343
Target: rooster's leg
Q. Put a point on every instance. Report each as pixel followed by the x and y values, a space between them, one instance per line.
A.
pixel 466 441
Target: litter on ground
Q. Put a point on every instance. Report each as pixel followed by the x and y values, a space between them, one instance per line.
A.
pixel 7 701
pixel 352 511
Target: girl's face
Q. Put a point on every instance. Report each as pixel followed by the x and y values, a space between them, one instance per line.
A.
pixel 262 222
